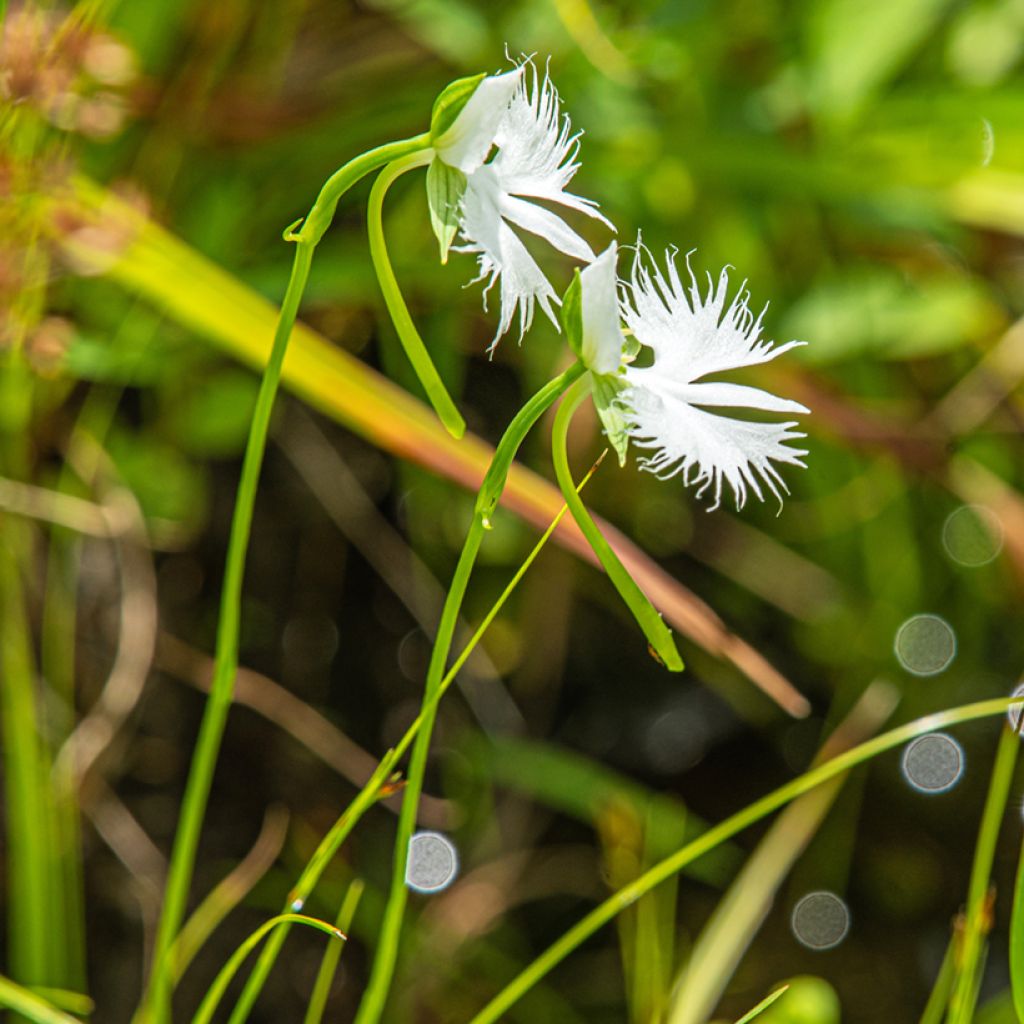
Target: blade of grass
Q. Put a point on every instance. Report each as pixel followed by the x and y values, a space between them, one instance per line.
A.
pixel 977 916
pixel 31 1006
pixel 938 998
pixel 743 909
pixel 625 897
pixel 215 992
pixel 231 890
pixel 27 795
pixel 763 1005
pixel 1017 940
pixel 202 296
pixel 332 955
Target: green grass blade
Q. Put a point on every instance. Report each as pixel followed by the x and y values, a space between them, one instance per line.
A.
pixel 332 955
pixel 31 1006
pixel 763 1005
pixel 611 907
pixel 1017 940
pixel 976 919
pixel 216 991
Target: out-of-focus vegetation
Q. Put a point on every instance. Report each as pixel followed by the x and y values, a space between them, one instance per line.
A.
pixel 861 164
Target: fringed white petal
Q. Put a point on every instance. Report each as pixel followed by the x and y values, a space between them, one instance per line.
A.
pixel 706 448
pixel 468 141
pixel 691 336
pixel 599 308
pixel 535 159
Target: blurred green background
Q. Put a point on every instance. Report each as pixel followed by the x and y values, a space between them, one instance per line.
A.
pixel 859 162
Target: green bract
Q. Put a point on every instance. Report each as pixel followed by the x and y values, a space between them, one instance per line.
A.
pixel 606 390
pixel 449 104
pixel 571 314
pixel 445 187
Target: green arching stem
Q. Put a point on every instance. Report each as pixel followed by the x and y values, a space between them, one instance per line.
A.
pixel 407 333
pixel 329 962
pixel 211 1000
pixel 497 473
pixel 965 991
pixel 659 636
pixel 155 1007
pixel 372 1005
pixel 370 793
pixel 674 863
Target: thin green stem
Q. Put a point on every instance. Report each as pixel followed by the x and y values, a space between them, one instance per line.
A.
pixel 156 1002
pixel 671 865
pixel 332 954
pixel 216 991
pixel 26 794
pixel 372 1005
pixel 31 1006
pixel 490 491
pixel 407 333
pixel 976 922
pixel 659 636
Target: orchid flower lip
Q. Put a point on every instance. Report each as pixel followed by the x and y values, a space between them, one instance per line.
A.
pixel 695 335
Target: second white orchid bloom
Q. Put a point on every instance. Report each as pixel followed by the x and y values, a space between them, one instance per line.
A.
pixel 663 407
pixel 484 197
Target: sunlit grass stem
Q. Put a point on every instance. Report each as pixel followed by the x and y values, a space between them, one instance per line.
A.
pixel 976 922
pixel 626 896
pixel 216 991
pixel 156 1003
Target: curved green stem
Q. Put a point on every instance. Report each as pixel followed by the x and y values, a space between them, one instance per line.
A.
pixel 659 636
pixel 407 333
pixel 976 925
pixel 156 1001
pixel 374 998
pixel 490 491
pixel 673 864
pixel 214 993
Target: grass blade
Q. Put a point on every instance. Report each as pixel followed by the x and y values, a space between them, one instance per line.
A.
pixel 763 1005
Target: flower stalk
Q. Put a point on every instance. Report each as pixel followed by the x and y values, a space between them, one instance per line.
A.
pixel 156 1005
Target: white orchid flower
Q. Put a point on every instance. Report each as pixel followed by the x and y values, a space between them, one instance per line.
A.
pixel 484 198
pixel 664 406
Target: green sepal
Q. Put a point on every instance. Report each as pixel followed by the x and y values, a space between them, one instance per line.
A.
pixel 606 389
pixel 445 188
pixel 449 104
pixel 571 314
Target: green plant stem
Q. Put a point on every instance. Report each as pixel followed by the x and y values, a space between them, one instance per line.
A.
pixel 976 923
pixel 156 1001
pixel 31 1006
pixel 1017 940
pixel 489 493
pixel 410 338
pixel 671 865
pixel 372 1005
pixel 332 954
pixel 214 993
pixel 763 1005
pixel 659 636
pixel 27 797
